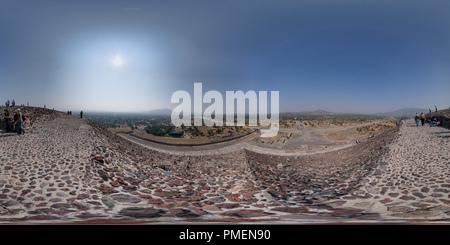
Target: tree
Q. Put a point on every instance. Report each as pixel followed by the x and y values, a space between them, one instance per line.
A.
pixel 210 132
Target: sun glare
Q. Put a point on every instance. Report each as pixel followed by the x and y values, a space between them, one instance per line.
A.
pixel 117 61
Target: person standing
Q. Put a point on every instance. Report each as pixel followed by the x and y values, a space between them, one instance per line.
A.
pixel 422 118
pixel 435 107
pixel 7 118
pixel 417 119
pixel 20 122
pixel 81 114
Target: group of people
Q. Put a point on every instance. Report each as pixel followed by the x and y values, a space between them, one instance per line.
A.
pixel 14 124
pixel 435 122
pixel 368 137
pixel 422 118
pixel 12 104
pixel 69 113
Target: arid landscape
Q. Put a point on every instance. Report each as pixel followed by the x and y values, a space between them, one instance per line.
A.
pixel 297 130
pixel 242 121
pixel 71 170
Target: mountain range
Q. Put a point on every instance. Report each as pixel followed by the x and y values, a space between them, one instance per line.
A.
pixel 405 112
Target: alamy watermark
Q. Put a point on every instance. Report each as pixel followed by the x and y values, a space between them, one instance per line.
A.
pixel 213 114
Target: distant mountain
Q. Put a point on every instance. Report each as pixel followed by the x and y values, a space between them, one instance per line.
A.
pixel 160 112
pixel 406 112
pixel 318 112
pixel 312 113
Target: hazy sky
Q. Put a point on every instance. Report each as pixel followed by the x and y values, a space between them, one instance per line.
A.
pixel 341 56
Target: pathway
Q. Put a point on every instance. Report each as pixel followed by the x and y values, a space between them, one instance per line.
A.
pixel 44 168
pixel 228 147
pixel 65 171
pixel 412 181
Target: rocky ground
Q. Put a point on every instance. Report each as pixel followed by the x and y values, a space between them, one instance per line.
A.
pixel 413 181
pixel 67 169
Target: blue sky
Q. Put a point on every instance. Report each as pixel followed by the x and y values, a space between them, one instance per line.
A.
pixel 341 56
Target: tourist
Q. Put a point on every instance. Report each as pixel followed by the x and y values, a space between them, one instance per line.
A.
pixel 417 119
pixel 15 121
pixel 7 119
pixel 435 123
pixel 422 118
pixel 19 122
pixel 81 114
pixel 435 107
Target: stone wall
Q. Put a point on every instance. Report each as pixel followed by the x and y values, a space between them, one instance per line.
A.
pixel 320 177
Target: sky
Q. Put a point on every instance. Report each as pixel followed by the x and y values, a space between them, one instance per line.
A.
pixel 347 56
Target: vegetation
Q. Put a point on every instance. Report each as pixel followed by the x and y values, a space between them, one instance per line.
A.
pixel 293 119
pixel 158 125
pixel 159 129
pixel 129 123
pixel 371 129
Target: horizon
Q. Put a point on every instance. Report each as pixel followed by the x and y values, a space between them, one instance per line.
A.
pixel 419 110
pixel 341 57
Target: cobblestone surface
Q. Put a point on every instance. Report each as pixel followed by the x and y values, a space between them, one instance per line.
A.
pixel 68 169
pixel 413 181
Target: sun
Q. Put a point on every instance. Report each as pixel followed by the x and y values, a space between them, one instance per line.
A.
pixel 117 61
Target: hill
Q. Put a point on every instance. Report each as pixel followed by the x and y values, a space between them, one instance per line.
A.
pixel 318 112
pixel 405 112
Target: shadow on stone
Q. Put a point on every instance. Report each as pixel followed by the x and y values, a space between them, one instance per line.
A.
pixel 137 212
